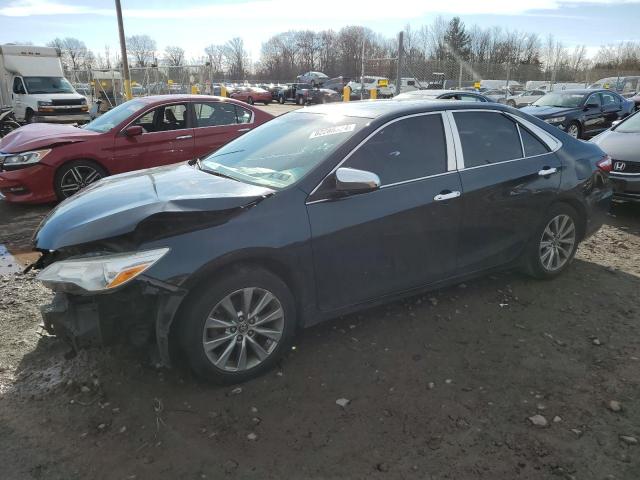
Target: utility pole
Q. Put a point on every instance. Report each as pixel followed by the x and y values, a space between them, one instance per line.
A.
pixel 399 62
pixel 123 52
pixel 362 68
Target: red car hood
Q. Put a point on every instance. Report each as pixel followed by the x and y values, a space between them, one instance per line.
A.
pixel 42 135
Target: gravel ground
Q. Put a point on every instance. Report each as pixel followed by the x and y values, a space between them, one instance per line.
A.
pixel 503 377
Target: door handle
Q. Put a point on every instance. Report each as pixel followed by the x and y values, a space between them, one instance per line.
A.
pixel 184 137
pixel 446 195
pixel 244 129
pixel 547 171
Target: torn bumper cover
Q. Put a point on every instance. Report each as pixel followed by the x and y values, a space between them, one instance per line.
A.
pixel 138 315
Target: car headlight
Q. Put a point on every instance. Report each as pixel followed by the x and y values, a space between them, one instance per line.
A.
pixel 100 273
pixel 21 159
pixel 555 119
pixel 45 103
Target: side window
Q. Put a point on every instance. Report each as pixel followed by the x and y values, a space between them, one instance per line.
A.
pixel 243 115
pixel 404 150
pixel 471 98
pixel 487 137
pixel 18 86
pixel 609 99
pixel 215 114
pixel 532 146
pixel 164 118
pixel 595 99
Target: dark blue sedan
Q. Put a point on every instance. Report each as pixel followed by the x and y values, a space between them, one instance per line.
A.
pixel 317 213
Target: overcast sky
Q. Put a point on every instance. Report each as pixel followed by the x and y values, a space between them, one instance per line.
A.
pixel 193 24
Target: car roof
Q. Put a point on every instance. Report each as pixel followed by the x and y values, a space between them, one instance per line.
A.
pixel 392 108
pixel 582 91
pixel 152 99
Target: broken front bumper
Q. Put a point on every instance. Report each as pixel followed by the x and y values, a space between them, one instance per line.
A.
pixel 139 314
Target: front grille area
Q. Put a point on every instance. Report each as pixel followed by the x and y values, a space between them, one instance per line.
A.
pixel 70 101
pixel 623 166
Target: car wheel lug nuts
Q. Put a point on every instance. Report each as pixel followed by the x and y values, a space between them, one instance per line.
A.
pixel 233 329
pixel 239 338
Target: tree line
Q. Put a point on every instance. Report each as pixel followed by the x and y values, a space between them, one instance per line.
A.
pixel 342 52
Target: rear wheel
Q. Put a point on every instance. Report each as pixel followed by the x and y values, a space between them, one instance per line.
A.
pixel 250 100
pixel 554 243
pixel 574 130
pixel 239 326
pixel 74 176
pixel 511 103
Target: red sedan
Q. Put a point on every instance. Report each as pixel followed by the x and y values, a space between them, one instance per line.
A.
pixel 43 162
pixel 251 95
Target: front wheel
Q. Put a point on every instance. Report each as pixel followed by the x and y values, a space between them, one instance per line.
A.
pixel 554 243
pixel 74 176
pixel 239 326
pixel 511 103
pixel 250 100
pixel 574 130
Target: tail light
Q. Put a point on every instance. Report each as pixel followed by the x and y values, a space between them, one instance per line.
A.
pixel 605 164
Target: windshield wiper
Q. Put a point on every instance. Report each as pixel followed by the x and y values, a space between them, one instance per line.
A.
pixel 214 172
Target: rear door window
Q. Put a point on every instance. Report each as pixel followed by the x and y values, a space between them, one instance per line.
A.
pixel 487 137
pixel 532 146
pixel 215 114
pixel 408 149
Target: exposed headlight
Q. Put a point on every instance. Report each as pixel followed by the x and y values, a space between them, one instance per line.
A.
pixel 25 158
pixel 555 119
pixel 100 273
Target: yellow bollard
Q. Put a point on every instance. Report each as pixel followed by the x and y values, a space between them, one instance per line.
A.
pixel 346 93
pixel 373 93
pixel 223 91
pixel 194 90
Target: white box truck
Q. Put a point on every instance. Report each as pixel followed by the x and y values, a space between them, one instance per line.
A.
pixel 32 83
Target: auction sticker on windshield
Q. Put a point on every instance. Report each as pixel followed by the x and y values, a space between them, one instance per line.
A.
pixel 323 132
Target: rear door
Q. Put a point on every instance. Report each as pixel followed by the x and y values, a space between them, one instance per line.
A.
pixel 594 118
pixel 167 138
pixel 611 108
pixel 398 237
pixel 217 123
pixel 509 176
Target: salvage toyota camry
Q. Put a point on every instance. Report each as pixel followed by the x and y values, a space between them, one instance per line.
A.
pixel 352 205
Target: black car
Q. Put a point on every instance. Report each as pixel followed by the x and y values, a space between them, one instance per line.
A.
pixel 317 213
pixel 305 94
pixel 581 113
pixel 462 95
pixel 337 84
pixel 622 143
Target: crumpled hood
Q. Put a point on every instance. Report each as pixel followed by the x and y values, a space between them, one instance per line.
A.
pixel 116 205
pixel 546 112
pixel 42 135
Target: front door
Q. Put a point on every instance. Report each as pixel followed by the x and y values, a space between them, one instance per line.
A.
pixel 397 237
pixel 167 138
pixel 611 108
pixel 18 93
pixel 217 123
pixel 594 120
pixel 504 189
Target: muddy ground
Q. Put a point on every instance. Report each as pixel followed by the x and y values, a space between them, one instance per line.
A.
pixel 440 386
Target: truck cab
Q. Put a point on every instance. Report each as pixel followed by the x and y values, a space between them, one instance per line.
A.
pixel 32 83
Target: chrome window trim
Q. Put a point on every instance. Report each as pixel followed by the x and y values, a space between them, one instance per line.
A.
pixel 549 140
pixel 450 153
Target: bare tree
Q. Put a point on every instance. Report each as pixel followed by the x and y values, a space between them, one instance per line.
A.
pixel 142 48
pixel 236 58
pixel 75 54
pixel 174 56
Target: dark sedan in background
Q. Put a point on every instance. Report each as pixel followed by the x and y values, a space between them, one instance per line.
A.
pixel 581 113
pixel 317 213
pixel 622 143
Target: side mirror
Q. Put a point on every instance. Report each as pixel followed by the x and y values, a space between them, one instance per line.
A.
pixel 351 180
pixel 133 131
pixel 589 106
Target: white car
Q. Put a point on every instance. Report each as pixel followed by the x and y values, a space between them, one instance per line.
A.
pixel 523 99
pixel 314 78
pixel 381 84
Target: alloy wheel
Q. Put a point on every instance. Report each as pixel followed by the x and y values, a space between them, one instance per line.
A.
pixel 557 242
pixel 573 130
pixel 76 178
pixel 243 329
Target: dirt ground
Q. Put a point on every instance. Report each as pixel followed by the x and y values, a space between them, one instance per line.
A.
pixel 440 386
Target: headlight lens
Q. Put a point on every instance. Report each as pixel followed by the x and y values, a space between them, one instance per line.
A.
pixel 555 119
pixel 101 273
pixel 25 158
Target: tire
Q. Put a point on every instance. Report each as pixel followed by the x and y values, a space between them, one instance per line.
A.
pixel 250 100
pixel 28 116
pixel 574 127
pixel 222 363
pixel 511 103
pixel 74 176
pixel 546 257
pixel 267 102
pixel 300 100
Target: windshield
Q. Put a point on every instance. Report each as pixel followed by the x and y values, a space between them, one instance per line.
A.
pixel 283 150
pixel 36 85
pixel 115 116
pixel 630 125
pixel 567 100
